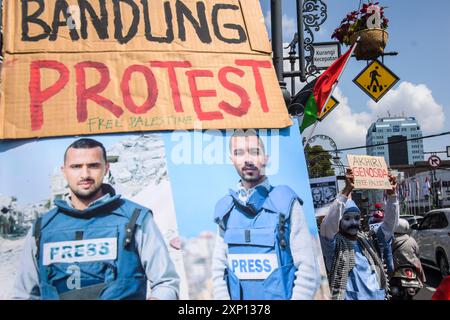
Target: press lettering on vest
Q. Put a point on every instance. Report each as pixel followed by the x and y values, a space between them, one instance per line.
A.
pixel 258 266
pixel 242 264
pixel 252 266
pixel 234 264
pixel 67 252
pixel 80 251
pixel 92 250
pixel 104 249
pixel 267 266
pixel 53 252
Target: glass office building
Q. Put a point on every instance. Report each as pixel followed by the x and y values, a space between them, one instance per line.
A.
pixel 395 130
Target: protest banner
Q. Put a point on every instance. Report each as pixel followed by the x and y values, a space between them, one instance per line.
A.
pixel 370 172
pixel 95 66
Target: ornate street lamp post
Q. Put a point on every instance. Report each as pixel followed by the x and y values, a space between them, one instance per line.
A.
pixel 312 13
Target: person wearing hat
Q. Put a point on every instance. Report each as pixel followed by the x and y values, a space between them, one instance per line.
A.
pixel 354 262
pixel 405 249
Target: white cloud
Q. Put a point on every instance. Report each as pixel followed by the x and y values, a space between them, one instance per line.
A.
pixel 349 128
pixel 268 22
pixel 412 100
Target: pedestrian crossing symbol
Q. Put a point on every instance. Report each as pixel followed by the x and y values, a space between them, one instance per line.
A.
pixel 376 80
pixel 332 103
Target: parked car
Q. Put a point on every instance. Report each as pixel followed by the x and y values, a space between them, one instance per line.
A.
pixel 433 237
pixel 412 219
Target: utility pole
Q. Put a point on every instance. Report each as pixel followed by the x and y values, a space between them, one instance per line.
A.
pixel 435 190
pixel 431 196
pixel 277 46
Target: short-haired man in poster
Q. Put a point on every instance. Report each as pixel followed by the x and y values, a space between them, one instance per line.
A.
pixel 263 247
pixel 95 245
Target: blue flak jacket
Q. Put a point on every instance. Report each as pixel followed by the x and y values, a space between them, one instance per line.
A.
pixel 86 255
pixel 257 235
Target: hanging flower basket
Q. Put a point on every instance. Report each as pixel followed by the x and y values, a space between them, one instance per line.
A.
pixel 371 43
pixel 370 24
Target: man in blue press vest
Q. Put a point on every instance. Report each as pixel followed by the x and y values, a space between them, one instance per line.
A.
pixel 97 245
pixel 263 247
pixel 356 260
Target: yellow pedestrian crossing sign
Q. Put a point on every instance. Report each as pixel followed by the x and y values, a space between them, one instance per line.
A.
pixel 376 80
pixel 332 103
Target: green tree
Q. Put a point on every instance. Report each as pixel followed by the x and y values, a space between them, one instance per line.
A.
pixel 319 162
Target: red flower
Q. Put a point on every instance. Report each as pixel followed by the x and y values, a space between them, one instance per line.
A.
pixel 356 21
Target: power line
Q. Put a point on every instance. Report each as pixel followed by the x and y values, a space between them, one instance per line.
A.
pixel 382 144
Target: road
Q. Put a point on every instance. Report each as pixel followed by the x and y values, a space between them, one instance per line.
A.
pixel 433 280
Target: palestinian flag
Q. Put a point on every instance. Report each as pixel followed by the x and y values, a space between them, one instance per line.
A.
pixel 316 93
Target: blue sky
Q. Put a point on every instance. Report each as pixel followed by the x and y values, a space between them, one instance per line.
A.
pixel 419 32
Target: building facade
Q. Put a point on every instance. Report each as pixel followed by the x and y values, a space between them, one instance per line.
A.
pixel 391 130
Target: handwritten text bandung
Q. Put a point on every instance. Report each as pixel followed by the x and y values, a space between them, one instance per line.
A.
pixel 102 14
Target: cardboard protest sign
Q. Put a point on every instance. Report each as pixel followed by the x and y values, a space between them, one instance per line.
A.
pixel 94 66
pixel 370 172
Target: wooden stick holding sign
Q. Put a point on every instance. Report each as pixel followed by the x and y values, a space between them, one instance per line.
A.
pixel 369 172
